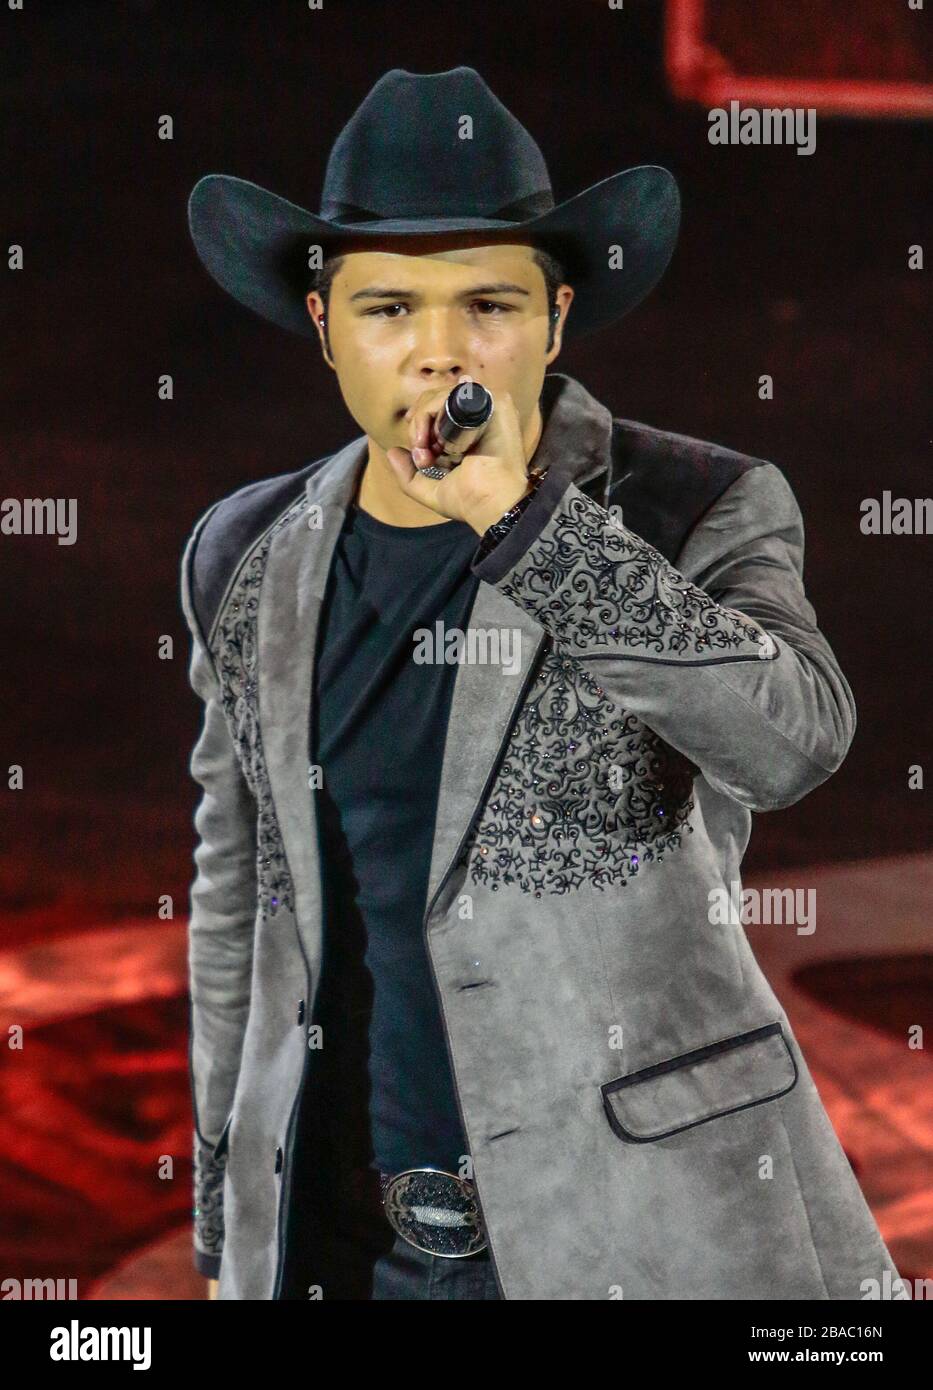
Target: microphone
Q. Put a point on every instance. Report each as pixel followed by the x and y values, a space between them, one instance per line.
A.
pixel 467 411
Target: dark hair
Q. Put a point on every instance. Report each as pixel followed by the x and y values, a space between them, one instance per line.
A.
pixel 550 267
pixel 554 276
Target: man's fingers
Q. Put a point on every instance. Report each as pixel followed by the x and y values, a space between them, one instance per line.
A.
pixel 422 414
pixel 413 483
pixel 421 430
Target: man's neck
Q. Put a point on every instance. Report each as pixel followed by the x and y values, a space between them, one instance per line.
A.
pixel 379 494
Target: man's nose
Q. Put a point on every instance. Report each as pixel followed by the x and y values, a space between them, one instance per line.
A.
pixel 439 350
pixel 439 368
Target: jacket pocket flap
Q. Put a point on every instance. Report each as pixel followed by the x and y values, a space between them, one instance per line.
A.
pixel 714 1080
pixel 220 1148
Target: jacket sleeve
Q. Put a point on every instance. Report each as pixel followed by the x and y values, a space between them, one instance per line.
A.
pixel 220 935
pixel 721 657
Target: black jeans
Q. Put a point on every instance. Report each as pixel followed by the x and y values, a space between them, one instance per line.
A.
pixel 346 1270
pixel 341 1245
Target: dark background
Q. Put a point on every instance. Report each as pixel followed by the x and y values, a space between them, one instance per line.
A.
pixel 789 265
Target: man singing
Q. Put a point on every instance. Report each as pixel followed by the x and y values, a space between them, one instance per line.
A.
pixel 463 1022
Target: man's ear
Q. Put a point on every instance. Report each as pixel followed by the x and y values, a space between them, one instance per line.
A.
pixel 564 301
pixel 315 309
pixel 323 342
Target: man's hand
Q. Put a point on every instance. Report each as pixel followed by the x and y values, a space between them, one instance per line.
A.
pixel 212 1287
pixel 484 485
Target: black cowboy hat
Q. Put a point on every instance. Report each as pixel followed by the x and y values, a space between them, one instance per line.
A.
pixel 402 166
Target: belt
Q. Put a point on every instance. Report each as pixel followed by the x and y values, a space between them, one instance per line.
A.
pixel 434 1211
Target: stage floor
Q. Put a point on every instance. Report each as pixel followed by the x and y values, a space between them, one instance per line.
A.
pixel 99 1096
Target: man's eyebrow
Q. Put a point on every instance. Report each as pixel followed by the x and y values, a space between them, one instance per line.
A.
pixel 384 292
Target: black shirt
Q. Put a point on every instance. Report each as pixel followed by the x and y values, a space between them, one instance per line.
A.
pixel 378 724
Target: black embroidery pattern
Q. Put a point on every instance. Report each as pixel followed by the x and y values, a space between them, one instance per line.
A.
pixel 235 651
pixel 208 1199
pixel 585 791
pixel 593 585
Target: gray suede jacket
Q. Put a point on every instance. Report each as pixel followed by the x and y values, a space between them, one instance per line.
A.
pixel 641 1121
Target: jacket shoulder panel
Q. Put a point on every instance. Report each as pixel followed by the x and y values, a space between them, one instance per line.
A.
pixel 229 528
pixel 665 482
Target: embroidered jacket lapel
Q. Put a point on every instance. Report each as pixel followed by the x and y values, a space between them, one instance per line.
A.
pixel 576 440
pixel 287 627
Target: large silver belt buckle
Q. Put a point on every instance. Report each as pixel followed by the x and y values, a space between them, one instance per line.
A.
pixel 435 1211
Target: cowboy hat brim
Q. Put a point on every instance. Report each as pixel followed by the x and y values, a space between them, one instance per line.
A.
pixel 615 240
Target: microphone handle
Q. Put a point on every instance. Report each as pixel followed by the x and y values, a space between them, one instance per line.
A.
pixel 460 441
pixel 454 428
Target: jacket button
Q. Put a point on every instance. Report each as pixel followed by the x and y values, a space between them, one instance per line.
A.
pixel 278 1160
pixel 301 1011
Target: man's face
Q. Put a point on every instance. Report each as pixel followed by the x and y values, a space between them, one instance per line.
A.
pixel 404 322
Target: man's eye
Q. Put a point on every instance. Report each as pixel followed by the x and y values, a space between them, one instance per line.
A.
pixel 376 313
pixel 488 303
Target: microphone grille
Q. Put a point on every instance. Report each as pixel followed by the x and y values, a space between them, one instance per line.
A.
pixel 469 404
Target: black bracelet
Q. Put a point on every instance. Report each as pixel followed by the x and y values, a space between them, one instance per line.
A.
pixel 494 533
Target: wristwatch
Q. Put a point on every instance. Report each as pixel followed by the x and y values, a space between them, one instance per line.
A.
pixel 494 534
